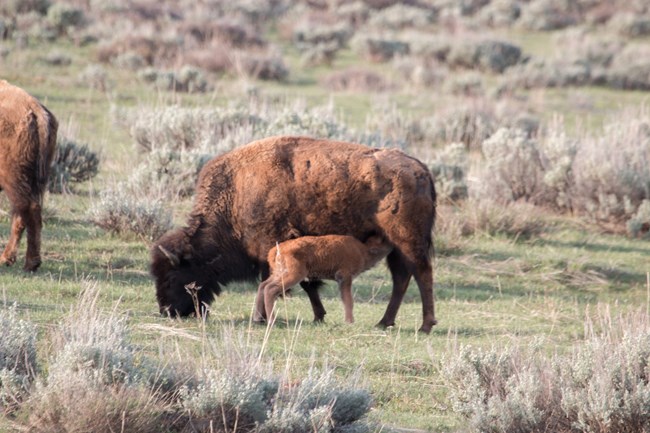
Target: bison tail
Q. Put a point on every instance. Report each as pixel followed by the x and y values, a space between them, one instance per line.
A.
pixel 48 128
pixel 432 189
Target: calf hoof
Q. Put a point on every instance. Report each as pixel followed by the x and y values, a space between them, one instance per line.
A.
pixel 7 260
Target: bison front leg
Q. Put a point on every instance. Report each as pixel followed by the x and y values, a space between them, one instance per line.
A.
pixel 17 227
pixel 311 287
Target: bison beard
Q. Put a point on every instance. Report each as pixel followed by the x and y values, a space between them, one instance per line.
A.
pixel 280 188
pixel 27 143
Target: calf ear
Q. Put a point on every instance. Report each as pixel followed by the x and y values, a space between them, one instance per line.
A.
pixel 171 256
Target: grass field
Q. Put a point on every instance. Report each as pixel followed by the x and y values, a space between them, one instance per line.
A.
pixel 550 290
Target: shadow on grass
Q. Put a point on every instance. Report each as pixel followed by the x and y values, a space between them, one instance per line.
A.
pixel 598 247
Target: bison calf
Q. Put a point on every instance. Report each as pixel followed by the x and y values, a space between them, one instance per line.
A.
pixel 329 257
pixel 27 143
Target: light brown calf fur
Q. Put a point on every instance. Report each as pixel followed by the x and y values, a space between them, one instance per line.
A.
pixel 27 143
pixel 330 257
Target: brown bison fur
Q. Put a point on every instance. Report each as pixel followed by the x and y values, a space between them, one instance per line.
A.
pixel 281 188
pixel 329 257
pixel 27 143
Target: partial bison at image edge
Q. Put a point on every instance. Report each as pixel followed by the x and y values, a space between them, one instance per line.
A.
pixel 281 188
pixel 27 144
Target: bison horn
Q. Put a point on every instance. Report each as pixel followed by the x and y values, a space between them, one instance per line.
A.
pixel 172 257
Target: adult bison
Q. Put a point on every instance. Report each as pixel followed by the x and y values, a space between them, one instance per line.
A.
pixel 280 188
pixel 27 143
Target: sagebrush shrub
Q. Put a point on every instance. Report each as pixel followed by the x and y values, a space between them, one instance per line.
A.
pixel 97 381
pixel 95 77
pixel 639 224
pixel 123 210
pixel 73 163
pixel 379 48
pixel 229 401
pixel 176 128
pixel 187 79
pixel 449 169
pixel 484 215
pixel 64 18
pixel 464 124
pixel 170 173
pixel 261 65
pixel 17 358
pixel 513 167
pixel 15 7
pixel 355 80
pixel 489 55
pixel 612 170
pixel 399 16
pixel 548 15
pixel 319 43
pixel 601 386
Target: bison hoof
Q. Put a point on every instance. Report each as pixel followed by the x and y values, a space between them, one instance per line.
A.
pixel 31 265
pixel 384 324
pixel 426 327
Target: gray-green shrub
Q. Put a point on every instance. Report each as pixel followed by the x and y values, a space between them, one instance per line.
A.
pixel 612 170
pixel 513 168
pixel 400 16
pixel 64 18
pixel 97 381
pixel 170 173
pixel 379 48
pixel 601 386
pixel 449 169
pixel 639 224
pixel 124 210
pixel 261 65
pixel 176 128
pixel 488 55
pixel 95 77
pixel 187 79
pixel 73 163
pixel 18 365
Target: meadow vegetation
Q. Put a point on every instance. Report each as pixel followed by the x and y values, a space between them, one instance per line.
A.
pixel 533 117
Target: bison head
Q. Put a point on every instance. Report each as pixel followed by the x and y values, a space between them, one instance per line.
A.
pixel 184 283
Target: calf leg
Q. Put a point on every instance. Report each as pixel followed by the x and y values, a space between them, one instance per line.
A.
pixel 401 277
pixel 259 315
pixel 274 287
pixel 345 286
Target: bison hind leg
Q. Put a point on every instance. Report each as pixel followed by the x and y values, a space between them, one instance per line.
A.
pixel 401 277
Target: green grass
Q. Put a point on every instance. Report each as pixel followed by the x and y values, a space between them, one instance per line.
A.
pixel 491 291
pixel 494 291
